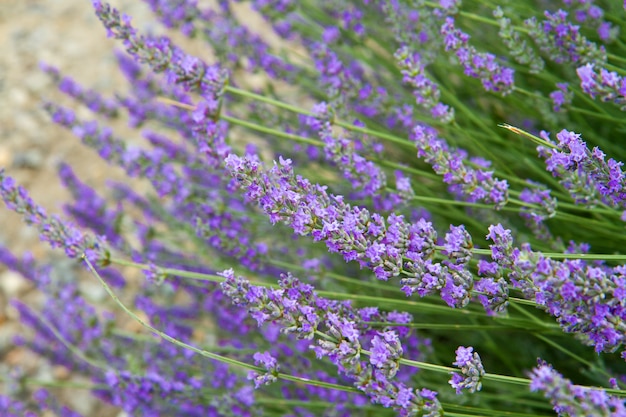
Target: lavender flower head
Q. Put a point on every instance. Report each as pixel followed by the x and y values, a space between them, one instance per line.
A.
pixel 573 400
pixel 472 371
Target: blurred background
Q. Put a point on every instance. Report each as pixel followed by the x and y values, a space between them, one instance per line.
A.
pixel 65 34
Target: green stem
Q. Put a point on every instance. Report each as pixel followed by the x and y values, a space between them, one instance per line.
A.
pixel 205 353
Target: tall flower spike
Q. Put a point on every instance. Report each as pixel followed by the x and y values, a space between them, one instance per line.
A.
pixel 57 232
pixel 472 371
pixel 298 309
pixel 573 400
pixel 586 174
pixel 587 300
pixel 163 56
pixel 425 91
pixel 562 41
pixel 474 184
pixel 484 66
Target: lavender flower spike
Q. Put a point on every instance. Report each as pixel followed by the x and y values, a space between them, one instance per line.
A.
pixel 52 229
pixel 300 311
pixel 472 371
pixel 474 184
pixel 573 400
pixel 269 363
pixel 483 66
pixel 585 173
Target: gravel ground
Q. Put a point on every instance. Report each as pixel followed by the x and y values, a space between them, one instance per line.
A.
pixel 66 34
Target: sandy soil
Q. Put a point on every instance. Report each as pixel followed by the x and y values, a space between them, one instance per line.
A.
pixel 66 34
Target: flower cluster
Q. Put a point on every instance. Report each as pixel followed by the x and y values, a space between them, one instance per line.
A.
pixel 483 66
pixel 562 41
pixel 232 171
pixel 472 371
pixel 607 85
pixel 301 312
pixel 586 174
pixel 473 184
pixel 587 300
pixel 573 400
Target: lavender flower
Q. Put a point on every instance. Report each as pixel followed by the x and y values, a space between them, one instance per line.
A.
pixel 362 174
pixel 561 97
pixel 607 85
pixel 535 217
pixel 474 184
pixel 472 371
pixel 587 176
pixel 484 66
pixel 425 91
pixel 267 362
pixel 90 98
pixel 586 300
pixel 458 245
pixel 573 400
pixel 301 312
pixel 163 56
pixel 52 229
pixel 562 41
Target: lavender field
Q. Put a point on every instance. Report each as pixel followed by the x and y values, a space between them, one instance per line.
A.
pixel 277 208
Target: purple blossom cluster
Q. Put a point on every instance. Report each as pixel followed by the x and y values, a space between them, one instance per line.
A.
pixel 426 92
pixel 473 184
pixel 484 66
pixel 41 401
pixel 590 14
pixel 573 400
pixel 307 316
pixel 561 97
pixel 471 368
pixel 212 195
pixel 585 173
pixel 586 299
pixel 361 173
pixel 562 41
pixel 541 207
pixel 90 98
pixel 607 85
pixel 389 247
pixel 57 232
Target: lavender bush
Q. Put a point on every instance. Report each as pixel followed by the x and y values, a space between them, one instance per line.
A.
pixel 419 211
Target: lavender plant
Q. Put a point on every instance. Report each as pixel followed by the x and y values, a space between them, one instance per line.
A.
pixel 395 233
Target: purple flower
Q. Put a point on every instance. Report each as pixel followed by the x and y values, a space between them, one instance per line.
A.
pixel 586 174
pixel 52 229
pixel 607 85
pixel 386 352
pixel 484 66
pixel 363 174
pixel 541 206
pixel 473 184
pixel 561 97
pixel 472 371
pixel 300 311
pixel 266 361
pixel 458 245
pixel 425 91
pixel 90 98
pixel 573 400
pixel 562 41
pixel 585 299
